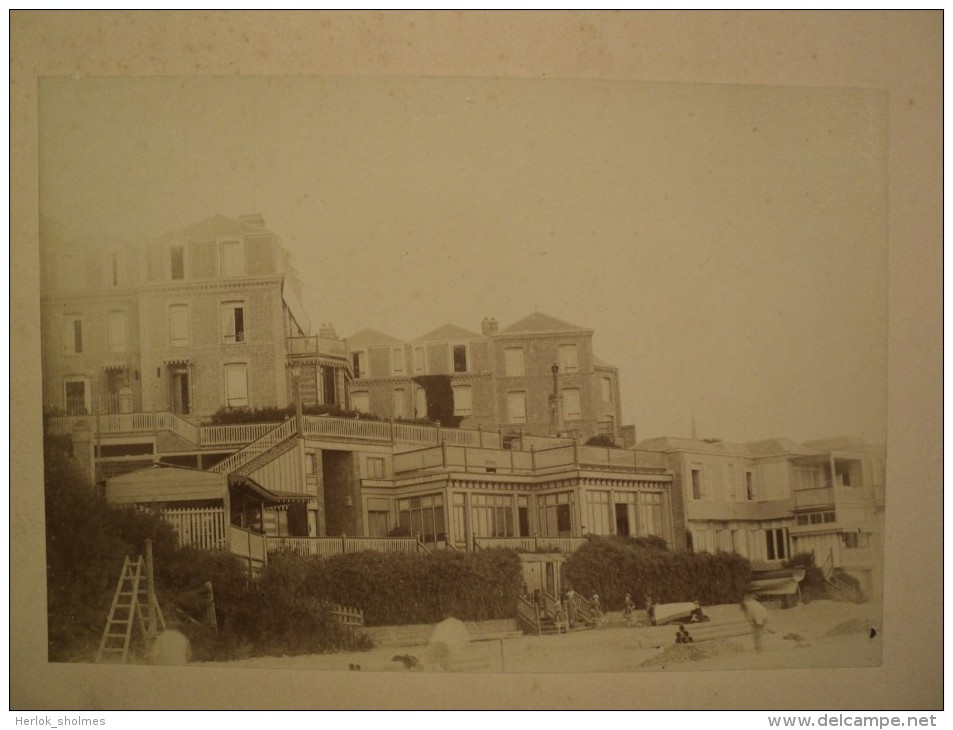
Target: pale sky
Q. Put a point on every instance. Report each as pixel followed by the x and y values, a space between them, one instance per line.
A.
pixel 727 244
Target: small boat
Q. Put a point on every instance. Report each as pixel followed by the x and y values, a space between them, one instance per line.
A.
pixel 687 612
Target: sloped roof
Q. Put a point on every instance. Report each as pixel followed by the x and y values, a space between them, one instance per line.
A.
pixel 838 443
pixel 449 332
pixel 165 483
pixel 539 322
pixel 675 443
pixel 368 336
pixel 776 446
pixel 217 225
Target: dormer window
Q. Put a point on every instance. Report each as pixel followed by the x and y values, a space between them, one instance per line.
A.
pixel 232 258
pixel 459 358
pixel 177 255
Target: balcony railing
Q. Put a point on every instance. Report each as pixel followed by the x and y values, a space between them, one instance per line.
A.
pixel 531 544
pixel 326 546
pixel 828 496
pixel 316 346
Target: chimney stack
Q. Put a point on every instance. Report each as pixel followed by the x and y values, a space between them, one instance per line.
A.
pixel 490 326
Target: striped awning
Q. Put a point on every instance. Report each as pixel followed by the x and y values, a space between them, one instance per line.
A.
pixel 184 360
pixel 116 366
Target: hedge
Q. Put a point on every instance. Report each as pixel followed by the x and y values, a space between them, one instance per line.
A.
pixel 398 588
pixel 613 567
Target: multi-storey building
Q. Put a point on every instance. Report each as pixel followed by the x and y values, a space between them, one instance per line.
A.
pixel 195 320
pixel 769 500
pixel 538 376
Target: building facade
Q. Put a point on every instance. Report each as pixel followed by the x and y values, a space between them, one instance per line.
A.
pixel 196 320
pixel 538 376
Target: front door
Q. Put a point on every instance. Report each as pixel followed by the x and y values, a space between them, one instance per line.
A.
pixel 180 392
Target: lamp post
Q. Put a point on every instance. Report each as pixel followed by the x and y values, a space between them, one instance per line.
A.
pixel 555 410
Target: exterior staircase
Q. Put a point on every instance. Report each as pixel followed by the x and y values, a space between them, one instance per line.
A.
pixel 550 617
pixel 257 452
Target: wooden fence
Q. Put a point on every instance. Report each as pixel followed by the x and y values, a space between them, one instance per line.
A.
pixel 198 527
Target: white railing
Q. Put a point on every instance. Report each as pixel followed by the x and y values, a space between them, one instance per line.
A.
pixel 198 527
pixel 415 434
pixel 166 421
pixel 346 428
pixel 256 448
pixel 532 544
pixel 247 544
pixel 813 497
pixel 315 345
pixel 418 460
pixel 327 546
pixel 559 456
pixel 233 433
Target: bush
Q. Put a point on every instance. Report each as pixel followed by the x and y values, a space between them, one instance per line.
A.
pixel 813 586
pixel 604 440
pixel 614 566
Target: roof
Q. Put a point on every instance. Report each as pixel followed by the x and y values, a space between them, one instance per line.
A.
pixel 217 225
pixel 269 495
pixel 449 332
pixel 370 337
pixel 165 483
pixel 539 322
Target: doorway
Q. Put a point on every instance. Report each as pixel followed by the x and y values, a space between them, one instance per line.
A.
pixel 180 391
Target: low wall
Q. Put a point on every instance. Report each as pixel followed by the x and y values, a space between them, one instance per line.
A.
pixel 419 634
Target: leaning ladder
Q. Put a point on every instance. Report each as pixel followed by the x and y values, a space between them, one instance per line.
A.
pixel 133 602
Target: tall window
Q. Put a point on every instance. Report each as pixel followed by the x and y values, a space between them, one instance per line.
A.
pixel 76 393
pixel 555 514
pixel 117 332
pixel 606 390
pixel 236 385
pixel 400 403
pixel 177 254
pixel 233 322
pixel 397 361
pixel 233 258
pixel 776 544
pixel 359 363
pixel 568 359
pixel 516 407
pixel 179 325
pixel 600 513
pixel 72 334
pixel 514 361
pixel 459 358
pixel 571 407
pixel 361 401
pixel 492 515
pixel 420 362
pixel 462 400
pixel 697 491
pixel 650 513
pixel 420 403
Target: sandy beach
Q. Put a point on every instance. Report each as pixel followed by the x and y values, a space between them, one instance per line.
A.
pixel 820 634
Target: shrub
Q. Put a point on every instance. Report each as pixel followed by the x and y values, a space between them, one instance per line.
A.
pixel 813 586
pixel 602 439
pixel 614 566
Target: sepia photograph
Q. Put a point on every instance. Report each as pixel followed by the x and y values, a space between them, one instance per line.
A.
pixel 464 374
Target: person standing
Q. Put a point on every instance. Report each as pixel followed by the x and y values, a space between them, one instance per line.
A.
pixel 627 608
pixel 757 616
pixel 596 607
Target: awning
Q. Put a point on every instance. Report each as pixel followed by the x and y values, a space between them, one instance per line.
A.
pixel 268 495
pixel 116 366
pixel 184 360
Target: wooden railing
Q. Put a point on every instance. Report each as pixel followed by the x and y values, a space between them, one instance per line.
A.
pixel 346 428
pixel 233 433
pixel 201 527
pixel 580 608
pixel 531 544
pixel 256 448
pixel 527 615
pixel 247 544
pixel 327 546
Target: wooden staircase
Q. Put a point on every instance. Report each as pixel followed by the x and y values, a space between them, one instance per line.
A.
pixel 551 617
pixel 134 603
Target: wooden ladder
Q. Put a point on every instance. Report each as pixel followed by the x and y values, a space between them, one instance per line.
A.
pixel 133 602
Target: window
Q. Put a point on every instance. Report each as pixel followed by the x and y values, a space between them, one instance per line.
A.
pixel 571 406
pixel 233 258
pixel 361 402
pixel 514 361
pixel 397 361
pixel 423 516
pixel 492 515
pixel 179 325
pixel 568 362
pixel 606 390
pixel 375 467
pixel 177 255
pixel 420 365
pixel 749 485
pixel 459 358
pixel 516 407
pixel 462 400
pixel 117 331
pixel 233 322
pixel 236 385
pixel 776 544
pixel 76 394
pixel 328 386
pixel 400 403
pixel 114 269
pixel 72 334
pixel 378 518
pixel 555 514
pixel 310 463
pixel 420 403
pixel 650 513
pixel 600 513
pixel 697 492
pixel 359 363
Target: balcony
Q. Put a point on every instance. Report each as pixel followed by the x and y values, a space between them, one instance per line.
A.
pixel 323 346
pixel 827 496
pixel 327 546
